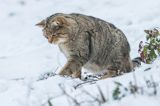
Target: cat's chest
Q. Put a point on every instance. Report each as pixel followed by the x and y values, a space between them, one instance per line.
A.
pixel 64 49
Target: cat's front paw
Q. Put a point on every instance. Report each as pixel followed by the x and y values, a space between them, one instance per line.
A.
pixel 70 73
pixel 65 72
pixel 76 74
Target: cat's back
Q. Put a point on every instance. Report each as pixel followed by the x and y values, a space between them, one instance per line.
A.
pixel 108 43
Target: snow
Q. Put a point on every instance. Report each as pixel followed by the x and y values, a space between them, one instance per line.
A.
pixel 25 54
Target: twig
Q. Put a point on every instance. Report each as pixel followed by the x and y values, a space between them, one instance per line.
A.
pixel 85 82
pixel 154 86
pixel 147 69
pixel 47 75
pixel 65 93
pixel 95 98
pixel 101 94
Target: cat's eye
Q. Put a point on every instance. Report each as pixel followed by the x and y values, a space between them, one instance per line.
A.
pixel 58 33
pixel 53 26
pixel 56 27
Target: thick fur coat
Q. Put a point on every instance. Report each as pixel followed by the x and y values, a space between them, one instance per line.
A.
pixel 88 42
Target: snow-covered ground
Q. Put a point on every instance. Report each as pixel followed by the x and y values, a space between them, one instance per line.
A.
pixel 25 54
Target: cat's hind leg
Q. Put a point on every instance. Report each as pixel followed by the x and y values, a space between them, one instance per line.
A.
pixel 109 74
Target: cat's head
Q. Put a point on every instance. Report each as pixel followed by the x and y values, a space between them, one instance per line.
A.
pixel 56 29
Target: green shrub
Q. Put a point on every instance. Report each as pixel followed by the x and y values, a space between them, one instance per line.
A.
pixel 150 50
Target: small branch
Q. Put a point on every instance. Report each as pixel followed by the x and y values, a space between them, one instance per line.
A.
pixel 85 82
pixel 154 86
pixel 65 93
pixel 47 75
pixel 101 94
pixel 147 69
pixel 95 98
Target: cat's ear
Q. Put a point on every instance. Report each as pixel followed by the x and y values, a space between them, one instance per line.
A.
pixel 61 21
pixel 41 24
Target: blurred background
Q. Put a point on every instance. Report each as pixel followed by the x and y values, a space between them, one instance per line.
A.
pixel 25 55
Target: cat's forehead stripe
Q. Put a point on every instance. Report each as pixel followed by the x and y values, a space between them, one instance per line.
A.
pixel 50 17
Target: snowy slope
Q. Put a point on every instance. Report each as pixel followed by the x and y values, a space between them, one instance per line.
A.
pixel 25 54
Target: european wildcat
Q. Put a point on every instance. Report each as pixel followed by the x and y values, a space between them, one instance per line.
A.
pixel 88 42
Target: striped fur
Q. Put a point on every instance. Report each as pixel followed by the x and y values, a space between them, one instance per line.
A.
pixel 88 42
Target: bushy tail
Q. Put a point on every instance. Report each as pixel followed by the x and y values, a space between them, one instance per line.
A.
pixel 136 62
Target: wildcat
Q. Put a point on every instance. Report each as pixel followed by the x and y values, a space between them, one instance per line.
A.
pixel 88 42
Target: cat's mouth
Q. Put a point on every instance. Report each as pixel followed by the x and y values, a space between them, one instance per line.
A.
pixel 56 39
pixel 53 39
pixel 50 39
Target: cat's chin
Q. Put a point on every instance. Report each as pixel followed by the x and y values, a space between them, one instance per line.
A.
pixel 55 43
pixel 58 41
